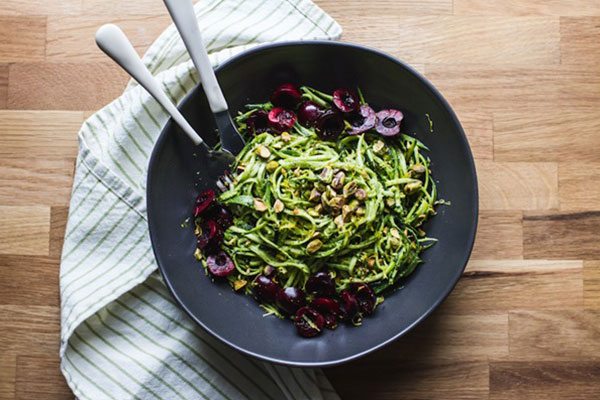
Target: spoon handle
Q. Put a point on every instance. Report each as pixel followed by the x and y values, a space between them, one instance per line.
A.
pixel 112 41
pixel 182 13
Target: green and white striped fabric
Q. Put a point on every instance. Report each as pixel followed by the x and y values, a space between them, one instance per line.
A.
pixel 122 336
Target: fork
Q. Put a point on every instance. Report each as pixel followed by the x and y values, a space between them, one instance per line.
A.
pixel 113 42
pixel 182 13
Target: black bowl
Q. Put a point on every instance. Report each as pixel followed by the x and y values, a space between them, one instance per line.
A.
pixel 176 175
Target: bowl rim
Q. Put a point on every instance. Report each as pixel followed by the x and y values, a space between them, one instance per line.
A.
pixel 471 236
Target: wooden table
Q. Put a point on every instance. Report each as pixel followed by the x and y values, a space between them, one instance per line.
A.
pixel 524 77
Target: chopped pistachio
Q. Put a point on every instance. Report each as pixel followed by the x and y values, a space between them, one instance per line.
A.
pixel 412 187
pixel 272 165
pixel 346 210
pixel 198 254
pixel 263 151
pixel 390 201
pixel 378 146
pixel 338 180
pixel 268 270
pixel 314 196
pixel 314 246
pixel 316 235
pixel 313 211
pixel 418 169
pixel 278 206
pixel 285 136
pixel 259 205
pixel 339 221
pixel 238 284
pixel 360 211
pixel 337 202
pixel 394 232
pixel 360 194
pixel 326 175
pixel 350 188
pixel 371 262
pixel 297 171
pixel 318 209
pixel 296 211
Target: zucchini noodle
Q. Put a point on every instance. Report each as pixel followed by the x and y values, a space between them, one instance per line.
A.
pixel 354 207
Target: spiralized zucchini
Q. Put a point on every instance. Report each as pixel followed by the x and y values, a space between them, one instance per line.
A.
pixel 353 207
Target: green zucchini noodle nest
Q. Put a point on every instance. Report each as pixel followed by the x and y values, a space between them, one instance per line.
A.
pixel 354 207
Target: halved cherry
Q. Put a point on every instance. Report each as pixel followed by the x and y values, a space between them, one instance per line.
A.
pixel 221 216
pixel 204 200
pixel 321 284
pixel 329 125
pixel 286 95
pixel 281 119
pixel 345 100
pixel 363 120
pixel 364 296
pixel 349 305
pixel 329 309
pixel 258 122
pixel 220 264
pixel 208 232
pixel 309 322
pixel 388 122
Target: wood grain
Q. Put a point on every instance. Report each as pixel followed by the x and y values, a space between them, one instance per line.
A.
pixel 417 380
pixel 573 380
pixel 8 375
pixel 22 39
pixel 578 185
pixel 561 235
pixel 523 77
pixel 579 38
pixel 24 230
pixel 64 86
pixel 29 281
pixel 71 38
pixel 557 335
pixel 37 181
pixel 500 285
pixel 438 39
pixel 479 128
pixel 39 7
pixel 542 134
pixel 523 185
pixel 40 377
pixel 3 85
pixel 591 284
pixel 46 134
pixel 512 89
pixel 527 7
pixel 499 235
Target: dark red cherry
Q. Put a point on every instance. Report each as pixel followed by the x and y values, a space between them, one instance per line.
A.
pixel 290 299
pixel 281 119
pixel 220 264
pixel 349 305
pixel 364 296
pixel 308 113
pixel 208 232
pixel 204 200
pixel 221 216
pixel 286 95
pixel 320 284
pixel 309 322
pixel 363 120
pixel 345 100
pixel 329 125
pixel 265 289
pixel 258 122
pixel 329 309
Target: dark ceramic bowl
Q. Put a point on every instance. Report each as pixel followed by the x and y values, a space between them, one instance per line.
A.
pixel 175 177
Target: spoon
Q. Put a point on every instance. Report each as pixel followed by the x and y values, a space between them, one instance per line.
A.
pixel 182 13
pixel 113 42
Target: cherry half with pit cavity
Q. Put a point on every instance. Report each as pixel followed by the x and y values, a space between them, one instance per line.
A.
pixel 286 95
pixel 220 265
pixel 388 122
pixel 205 199
pixel 345 100
pixel 281 119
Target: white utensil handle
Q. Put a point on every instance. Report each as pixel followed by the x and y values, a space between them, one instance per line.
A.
pixel 112 41
pixel 182 13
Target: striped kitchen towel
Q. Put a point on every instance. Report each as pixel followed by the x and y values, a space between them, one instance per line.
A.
pixel 122 335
